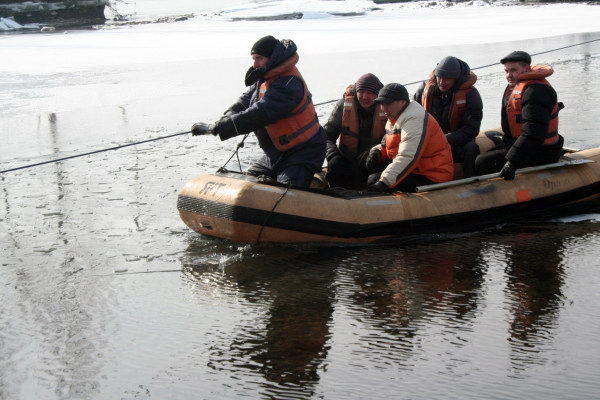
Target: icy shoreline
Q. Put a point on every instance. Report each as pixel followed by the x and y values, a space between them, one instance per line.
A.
pixel 130 13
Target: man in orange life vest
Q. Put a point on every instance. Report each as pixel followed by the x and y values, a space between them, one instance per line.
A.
pixel 529 119
pixel 359 124
pixel 414 150
pixel 456 105
pixel 278 108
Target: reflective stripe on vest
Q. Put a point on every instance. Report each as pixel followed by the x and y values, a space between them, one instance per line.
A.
pixel 514 106
pixel 300 125
pixel 351 124
pixel 457 106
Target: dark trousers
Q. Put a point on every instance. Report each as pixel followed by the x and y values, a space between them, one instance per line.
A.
pixel 493 160
pixel 466 155
pixel 347 174
pixel 295 175
pixel 408 184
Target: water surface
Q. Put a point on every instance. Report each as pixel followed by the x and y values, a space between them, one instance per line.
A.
pixel 506 313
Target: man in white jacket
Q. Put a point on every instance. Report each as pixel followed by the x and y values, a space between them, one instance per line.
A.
pixel 414 150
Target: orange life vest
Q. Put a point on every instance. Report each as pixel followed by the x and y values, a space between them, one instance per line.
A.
pixel 514 106
pixel 434 159
pixel 302 123
pixel 459 99
pixel 351 125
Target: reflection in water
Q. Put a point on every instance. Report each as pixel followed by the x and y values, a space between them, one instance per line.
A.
pixel 287 342
pixel 535 275
pixel 402 290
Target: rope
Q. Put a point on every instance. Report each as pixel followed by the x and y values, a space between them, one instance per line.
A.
pixel 262 227
pixel 94 152
pixel 489 65
pixel 241 143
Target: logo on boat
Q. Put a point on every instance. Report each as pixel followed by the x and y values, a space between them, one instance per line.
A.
pixel 551 184
pixel 211 188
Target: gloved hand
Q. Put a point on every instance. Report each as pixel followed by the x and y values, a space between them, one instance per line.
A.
pixel 224 126
pixel 508 171
pixel 200 128
pixel 378 186
pixel 373 159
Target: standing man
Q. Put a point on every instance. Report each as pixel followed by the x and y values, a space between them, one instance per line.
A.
pixel 414 150
pixel 279 109
pixel 359 124
pixel 529 119
pixel 456 105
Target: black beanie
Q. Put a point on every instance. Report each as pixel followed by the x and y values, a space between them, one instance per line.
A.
pixel 264 46
pixel 368 82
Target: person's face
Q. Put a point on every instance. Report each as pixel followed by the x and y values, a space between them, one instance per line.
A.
pixel 259 61
pixel 392 109
pixel 512 70
pixel 365 98
pixel 444 84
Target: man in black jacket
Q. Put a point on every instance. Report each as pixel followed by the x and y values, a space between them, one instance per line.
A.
pixel 277 106
pixel 359 124
pixel 529 119
pixel 449 95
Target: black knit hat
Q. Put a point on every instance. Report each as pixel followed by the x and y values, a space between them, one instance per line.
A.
pixel 264 46
pixel 516 56
pixel 392 92
pixel 368 82
pixel 448 68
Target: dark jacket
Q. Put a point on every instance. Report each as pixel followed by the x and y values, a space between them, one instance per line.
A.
pixel 538 101
pixel 471 119
pixel 284 94
pixel 333 128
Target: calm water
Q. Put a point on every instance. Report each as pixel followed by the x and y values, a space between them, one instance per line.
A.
pixel 507 313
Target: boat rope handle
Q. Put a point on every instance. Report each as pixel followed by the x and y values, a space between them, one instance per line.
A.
pixel 241 143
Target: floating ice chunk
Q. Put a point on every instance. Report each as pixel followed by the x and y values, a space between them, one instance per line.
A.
pixel 9 24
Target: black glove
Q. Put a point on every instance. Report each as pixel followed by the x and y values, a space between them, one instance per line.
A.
pixel 225 126
pixel 508 171
pixel 373 159
pixel 201 128
pixel 378 186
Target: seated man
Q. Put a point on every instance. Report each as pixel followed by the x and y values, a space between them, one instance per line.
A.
pixel 359 124
pixel 414 150
pixel 529 119
pixel 456 105
pixel 279 109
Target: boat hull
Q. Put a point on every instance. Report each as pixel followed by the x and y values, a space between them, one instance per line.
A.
pixel 242 209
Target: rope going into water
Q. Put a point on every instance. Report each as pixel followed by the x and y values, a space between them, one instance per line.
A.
pixel 241 143
pixel 262 227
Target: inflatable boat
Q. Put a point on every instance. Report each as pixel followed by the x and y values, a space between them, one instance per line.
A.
pixel 243 208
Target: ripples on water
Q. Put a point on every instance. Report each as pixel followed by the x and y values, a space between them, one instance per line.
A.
pixel 506 313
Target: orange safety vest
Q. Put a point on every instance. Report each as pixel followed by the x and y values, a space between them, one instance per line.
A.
pixel 350 123
pixel 514 106
pixel 434 159
pixel 459 99
pixel 302 123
